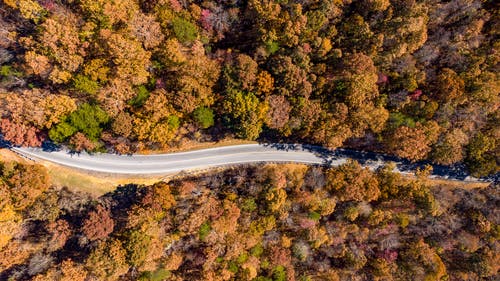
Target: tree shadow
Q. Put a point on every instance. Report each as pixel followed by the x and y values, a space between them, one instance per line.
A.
pixel 366 158
pixel 49 146
pixel 4 143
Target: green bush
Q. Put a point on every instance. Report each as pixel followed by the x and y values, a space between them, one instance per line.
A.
pixel 137 245
pixel 233 267
pixel 184 30
pixel 397 119
pixel 141 97
pixel 403 220
pixel 158 275
pixel 249 205
pixel 242 258
pixel 88 119
pixel 204 230
pixel 204 117
pixel 314 216
pixel 481 159
pixel 173 122
pixel 272 47
pixel 86 85
pixel 61 132
pixel 7 70
pixel 351 213
pixel 279 273
pixel 257 251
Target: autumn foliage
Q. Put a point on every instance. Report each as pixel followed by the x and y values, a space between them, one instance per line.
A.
pixel 99 224
pixel 416 79
pixel 272 222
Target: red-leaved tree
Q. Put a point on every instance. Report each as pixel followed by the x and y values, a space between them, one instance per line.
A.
pixel 19 134
pixel 99 224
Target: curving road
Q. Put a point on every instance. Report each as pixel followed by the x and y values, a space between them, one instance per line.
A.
pixel 228 155
pixel 172 162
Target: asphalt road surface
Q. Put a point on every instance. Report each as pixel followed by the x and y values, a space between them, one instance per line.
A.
pixel 229 155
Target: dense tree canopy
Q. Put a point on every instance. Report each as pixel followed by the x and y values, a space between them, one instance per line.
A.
pixel 87 119
pixel 417 79
pixel 271 222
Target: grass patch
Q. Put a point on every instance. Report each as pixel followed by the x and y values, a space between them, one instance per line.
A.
pixel 95 184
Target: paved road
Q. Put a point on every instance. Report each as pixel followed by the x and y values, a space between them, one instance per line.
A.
pixel 172 162
pixel 228 155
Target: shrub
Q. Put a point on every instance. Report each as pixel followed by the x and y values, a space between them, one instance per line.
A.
pixel 351 213
pixel 88 119
pixel 403 220
pixel 86 85
pixel 257 250
pixel 137 247
pixel 158 275
pixel 141 97
pixel 204 230
pixel 184 30
pixel 249 205
pixel 61 132
pixel 272 47
pixel 204 117
pixel 314 216
pixel 279 273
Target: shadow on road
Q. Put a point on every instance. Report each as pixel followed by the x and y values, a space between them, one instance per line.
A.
pixel 457 172
pixel 49 146
pixel 4 143
pixel 46 146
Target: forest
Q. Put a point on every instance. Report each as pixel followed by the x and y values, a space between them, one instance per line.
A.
pixel 261 223
pixel 419 80
pixel 415 79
